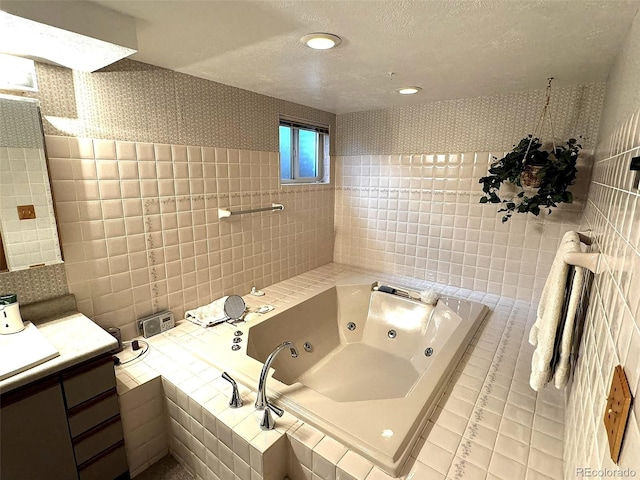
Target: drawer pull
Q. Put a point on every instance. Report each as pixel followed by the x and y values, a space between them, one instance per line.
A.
pixel 101 455
pixel 96 429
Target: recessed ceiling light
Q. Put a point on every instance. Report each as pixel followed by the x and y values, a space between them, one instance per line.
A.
pixel 321 41
pixel 408 90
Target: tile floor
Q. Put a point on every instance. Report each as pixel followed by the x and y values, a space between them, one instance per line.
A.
pixel 167 468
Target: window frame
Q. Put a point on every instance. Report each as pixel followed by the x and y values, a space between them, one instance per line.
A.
pixel 323 136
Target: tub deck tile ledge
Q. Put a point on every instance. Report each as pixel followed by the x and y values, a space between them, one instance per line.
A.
pixel 486 400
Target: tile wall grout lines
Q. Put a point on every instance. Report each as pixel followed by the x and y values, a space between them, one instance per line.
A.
pixel 611 157
pixel 615 189
pixel 218 196
pixel 612 330
pixel 426 191
pixel 610 268
pixel 157 201
pixel 615 229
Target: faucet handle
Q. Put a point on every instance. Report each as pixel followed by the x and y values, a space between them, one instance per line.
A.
pixel 267 422
pixel 236 401
pixel 277 410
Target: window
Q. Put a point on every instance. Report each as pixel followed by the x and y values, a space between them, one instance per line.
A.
pixel 303 148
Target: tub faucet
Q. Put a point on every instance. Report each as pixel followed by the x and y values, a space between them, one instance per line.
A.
pixel 262 403
pixel 236 400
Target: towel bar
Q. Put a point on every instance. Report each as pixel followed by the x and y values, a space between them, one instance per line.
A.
pixel 584 238
pixel 225 212
pixel 590 261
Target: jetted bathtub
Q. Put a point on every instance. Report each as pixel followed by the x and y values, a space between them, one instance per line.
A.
pixel 371 365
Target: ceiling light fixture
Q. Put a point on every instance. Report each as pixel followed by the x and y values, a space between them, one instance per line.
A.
pixel 78 35
pixel 17 73
pixel 321 41
pixel 408 90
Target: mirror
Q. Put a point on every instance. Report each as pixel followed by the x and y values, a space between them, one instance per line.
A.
pixel 28 230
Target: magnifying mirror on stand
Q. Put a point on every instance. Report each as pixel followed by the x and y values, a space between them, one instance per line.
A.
pixel 234 308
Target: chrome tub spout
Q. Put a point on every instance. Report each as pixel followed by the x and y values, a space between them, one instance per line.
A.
pixel 262 403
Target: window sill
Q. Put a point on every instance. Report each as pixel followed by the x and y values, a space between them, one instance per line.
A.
pixel 299 184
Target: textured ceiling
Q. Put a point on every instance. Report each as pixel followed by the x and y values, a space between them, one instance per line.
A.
pixel 452 49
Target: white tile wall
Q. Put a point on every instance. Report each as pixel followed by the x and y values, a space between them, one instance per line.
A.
pixel 612 329
pixel 143 421
pixel 420 216
pixel 24 181
pixel 489 423
pixel 140 230
pixel 407 193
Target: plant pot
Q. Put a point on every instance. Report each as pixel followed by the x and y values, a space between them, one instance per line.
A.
pixel 530 177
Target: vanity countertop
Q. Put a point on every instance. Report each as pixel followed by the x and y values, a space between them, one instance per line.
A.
pixel 76 337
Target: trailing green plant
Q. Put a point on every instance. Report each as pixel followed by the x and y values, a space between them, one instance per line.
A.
pixel 555 172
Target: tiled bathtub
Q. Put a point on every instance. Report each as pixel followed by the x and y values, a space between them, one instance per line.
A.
pixel 488 424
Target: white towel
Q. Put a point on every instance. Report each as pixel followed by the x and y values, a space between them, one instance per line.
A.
pixel 208 315
pixel 563 366
pixel 429 297
pixel 543 333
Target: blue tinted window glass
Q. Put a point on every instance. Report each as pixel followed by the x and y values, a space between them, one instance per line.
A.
pixel 285 153
pixel 308 148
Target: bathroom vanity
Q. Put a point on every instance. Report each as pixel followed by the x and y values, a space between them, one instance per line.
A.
pixel 61 419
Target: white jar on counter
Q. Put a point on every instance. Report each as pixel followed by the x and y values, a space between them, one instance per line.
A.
pixel 10 319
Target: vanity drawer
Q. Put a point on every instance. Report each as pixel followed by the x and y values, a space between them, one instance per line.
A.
pixel 97 440
pixel 88 382
pixel 86 416
pixel 112 465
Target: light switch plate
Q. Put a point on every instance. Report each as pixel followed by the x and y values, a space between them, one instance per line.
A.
pixel 26 212
pixel 635 167
pixel 617 411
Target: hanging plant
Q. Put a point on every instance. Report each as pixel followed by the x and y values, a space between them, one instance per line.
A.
pixel 542 176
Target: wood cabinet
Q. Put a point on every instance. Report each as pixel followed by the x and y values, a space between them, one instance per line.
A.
pixel 64 427
pixel 34 435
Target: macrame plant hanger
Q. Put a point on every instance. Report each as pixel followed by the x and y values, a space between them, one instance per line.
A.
pixel 543 176
pixel 539 129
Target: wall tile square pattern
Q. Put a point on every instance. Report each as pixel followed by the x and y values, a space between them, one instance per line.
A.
pixel 156 108
pixel 84 105
pixel 419 215
pixel 143 235
pixel 612 329
pixel 143 422
pixel 407 189
pixel 24 181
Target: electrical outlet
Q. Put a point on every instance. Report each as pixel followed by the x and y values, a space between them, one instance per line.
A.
pixel 26 212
